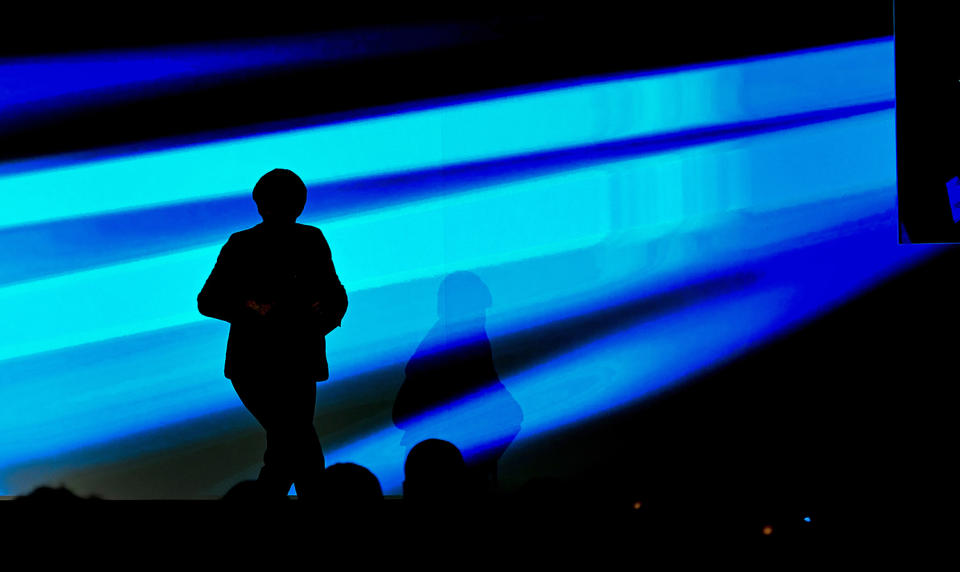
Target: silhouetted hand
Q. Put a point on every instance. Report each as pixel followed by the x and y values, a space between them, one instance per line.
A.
pixel 262 309
pixel 283 314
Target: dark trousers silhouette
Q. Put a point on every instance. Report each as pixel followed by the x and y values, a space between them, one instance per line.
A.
pixel 293 455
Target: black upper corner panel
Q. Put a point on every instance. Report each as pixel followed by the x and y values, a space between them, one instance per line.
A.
pixel 530 48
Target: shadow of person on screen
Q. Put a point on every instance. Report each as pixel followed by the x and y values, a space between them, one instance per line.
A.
pixel 454 361
pixel 276 285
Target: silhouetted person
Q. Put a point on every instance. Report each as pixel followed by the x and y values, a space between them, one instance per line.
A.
pixel 276 285
pixel 350 488
pixel 453 361
pixel 435 476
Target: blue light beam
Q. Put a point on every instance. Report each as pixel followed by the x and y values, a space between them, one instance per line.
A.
pixel 519 123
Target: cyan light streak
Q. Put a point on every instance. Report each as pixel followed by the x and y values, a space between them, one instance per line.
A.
pixel 89 362
pixel 178 371
pixel 516 124
pixel 567 212
pixel 68 246
pixel 636 199
pixel 413 241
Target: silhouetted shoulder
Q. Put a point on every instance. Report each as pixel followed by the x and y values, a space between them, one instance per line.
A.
pixel 259 236
pixel 238 242
pixel 308 230
pixel 242 235
pixel 315 235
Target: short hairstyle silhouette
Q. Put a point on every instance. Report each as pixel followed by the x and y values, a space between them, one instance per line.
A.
pixel 462 295
pixel 280 194
pixel 350 486
pixel 434 472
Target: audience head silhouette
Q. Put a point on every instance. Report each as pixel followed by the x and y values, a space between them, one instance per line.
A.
pixel 280 196
pixel 434 473
pixel 463 297
pixel 48 495
pixel 348 486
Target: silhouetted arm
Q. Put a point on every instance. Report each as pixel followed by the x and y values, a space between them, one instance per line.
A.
pixel 331 302
pixel 219 298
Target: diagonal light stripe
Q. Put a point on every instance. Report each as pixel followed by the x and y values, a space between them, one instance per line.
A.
pixel 636 199
pixel 804 209
pixel 571 116
pixel 71 79
pixel 171 377
pixel 104 391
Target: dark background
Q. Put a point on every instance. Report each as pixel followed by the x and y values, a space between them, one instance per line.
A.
pixel 928 122
pixel 845 419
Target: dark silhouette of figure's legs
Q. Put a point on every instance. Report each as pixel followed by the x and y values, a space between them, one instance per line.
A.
pixel 294 454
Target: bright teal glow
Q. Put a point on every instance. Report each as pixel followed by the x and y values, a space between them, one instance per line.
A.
pixel 91 356
pixel 678 192
pixel 513 125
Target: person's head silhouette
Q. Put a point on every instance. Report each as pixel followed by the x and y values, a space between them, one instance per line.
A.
pixel 463 297
pixel 280 196
pixel 434 473
pixel 348 486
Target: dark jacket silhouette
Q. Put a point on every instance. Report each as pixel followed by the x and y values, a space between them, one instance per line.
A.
pixel 276 285
pixel 287 268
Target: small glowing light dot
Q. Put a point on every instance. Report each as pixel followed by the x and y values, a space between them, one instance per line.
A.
pixel 637 505
pixel 806 519
pixel 767 530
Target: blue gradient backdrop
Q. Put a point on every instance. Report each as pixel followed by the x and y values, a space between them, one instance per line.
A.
pixel 775 174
